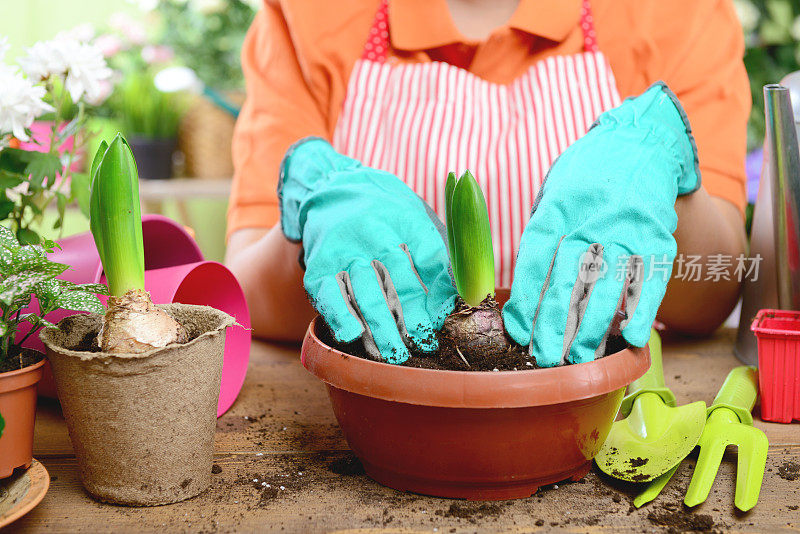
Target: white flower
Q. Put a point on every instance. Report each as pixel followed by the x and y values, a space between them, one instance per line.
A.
pixel 20 103
pixel 748 14
pixel 81 64
pixel 15 193
pixel 43 59
pixel 82 33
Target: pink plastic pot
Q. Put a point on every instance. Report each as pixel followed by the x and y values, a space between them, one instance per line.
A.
pixel 174 272
pixel 40 142
pixel 778 336
pixel 209 283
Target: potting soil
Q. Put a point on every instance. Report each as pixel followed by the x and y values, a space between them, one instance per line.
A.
pixel 20 361
pixel 514 358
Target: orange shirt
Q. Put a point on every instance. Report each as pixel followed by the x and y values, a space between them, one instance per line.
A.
pixel 298 56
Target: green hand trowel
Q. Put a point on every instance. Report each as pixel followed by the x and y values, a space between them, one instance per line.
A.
pixel 730 423
pixel 655 434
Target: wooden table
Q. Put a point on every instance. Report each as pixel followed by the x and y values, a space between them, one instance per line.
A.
pixel 154 193
pixel 282 431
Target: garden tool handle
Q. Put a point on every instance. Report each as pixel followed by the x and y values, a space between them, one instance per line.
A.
pixel 738 393
pixel 652 381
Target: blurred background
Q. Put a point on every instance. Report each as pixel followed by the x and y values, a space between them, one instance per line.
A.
pixel 175 91
pixel 176 88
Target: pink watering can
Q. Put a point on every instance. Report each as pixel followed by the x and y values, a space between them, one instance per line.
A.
pixel 175 271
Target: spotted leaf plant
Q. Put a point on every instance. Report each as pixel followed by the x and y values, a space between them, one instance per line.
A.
pixel 26 273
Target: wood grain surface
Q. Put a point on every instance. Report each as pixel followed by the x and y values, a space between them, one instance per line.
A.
pixel 283 466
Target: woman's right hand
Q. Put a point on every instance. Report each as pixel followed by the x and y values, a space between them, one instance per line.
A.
pixel 376 264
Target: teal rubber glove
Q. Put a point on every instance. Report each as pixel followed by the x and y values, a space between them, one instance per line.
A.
pixel 376 263
pixel 601 230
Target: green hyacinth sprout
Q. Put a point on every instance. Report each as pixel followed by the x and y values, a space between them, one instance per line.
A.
pixel 469 238
pixel 115 216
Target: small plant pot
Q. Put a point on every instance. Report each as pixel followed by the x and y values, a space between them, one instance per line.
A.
pixel 473 435
pixel 18 408
pixel 153 156
pixel 174 272
pixel 142 425
pixel 778 336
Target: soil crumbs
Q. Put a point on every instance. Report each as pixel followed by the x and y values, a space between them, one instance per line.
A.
pixel 472 512
pixel 677 521
pixel 789 471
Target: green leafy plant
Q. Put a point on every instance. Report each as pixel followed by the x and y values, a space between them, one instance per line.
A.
pixel 144 111
pixel 772 50
pixel 26 272
pixel 132 323
pixel 207 37
pixel 469 238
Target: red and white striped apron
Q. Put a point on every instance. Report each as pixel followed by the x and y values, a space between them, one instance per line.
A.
pixel 420 121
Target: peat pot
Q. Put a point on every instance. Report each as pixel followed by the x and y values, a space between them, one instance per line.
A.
pixel 142 425
pixel 18 408
pixel 470 434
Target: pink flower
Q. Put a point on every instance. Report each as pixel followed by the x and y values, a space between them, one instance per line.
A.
pixel 157 54
pixel 131 28
pixel 109 44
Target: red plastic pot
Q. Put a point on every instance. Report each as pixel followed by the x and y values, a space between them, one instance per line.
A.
pixel 778 336
pixel 18 407
pixel 473 435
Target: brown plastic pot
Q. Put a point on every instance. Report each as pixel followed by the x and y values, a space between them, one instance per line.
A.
pixel 473 435
pixel 18 408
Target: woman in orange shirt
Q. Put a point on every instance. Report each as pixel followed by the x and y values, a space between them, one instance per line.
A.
pixel 502 87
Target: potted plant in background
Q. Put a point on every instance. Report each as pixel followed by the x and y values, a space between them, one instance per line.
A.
pixel 26 274
pixel 139 386
pixel 207 37
pixel 150 119
pixel 475 420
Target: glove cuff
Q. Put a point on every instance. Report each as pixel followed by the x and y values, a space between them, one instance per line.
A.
pixel 306 165
pixel 690 181
pixel 659 110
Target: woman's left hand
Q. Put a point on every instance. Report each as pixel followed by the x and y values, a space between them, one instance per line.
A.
pixel 602 229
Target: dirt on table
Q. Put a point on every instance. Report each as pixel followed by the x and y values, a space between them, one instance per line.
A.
pixel 514 358
pixel 789 471
pixel 347 466
pixel 677 520
pixel 471 511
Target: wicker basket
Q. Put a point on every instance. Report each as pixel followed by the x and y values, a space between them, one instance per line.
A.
pixel 205 138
